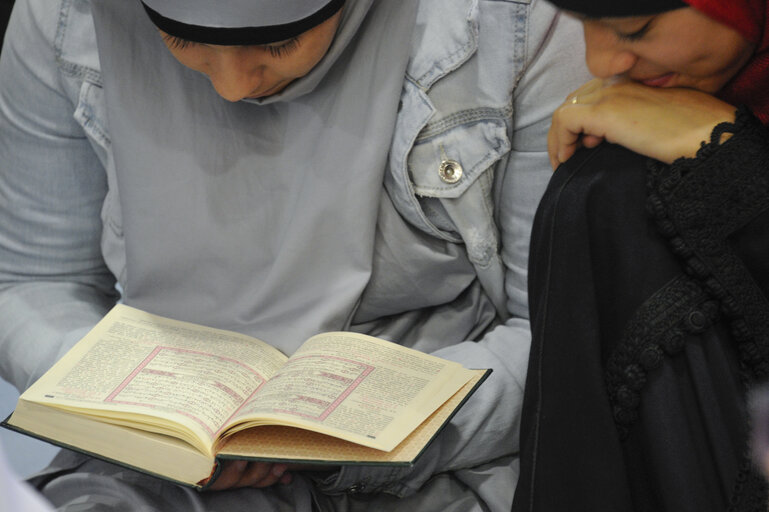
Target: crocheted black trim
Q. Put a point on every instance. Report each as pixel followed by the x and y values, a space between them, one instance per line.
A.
pixel 658 328
pixel 697 204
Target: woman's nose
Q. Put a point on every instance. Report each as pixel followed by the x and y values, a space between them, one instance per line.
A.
pixel 605 55
pixel 236 75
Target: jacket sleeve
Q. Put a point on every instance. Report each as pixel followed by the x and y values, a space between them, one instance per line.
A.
pixel 54 285
pixel 486 428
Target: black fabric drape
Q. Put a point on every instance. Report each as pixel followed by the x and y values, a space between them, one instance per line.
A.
pixel 635 397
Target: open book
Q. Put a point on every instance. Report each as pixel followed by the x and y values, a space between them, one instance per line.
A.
pixel 173 398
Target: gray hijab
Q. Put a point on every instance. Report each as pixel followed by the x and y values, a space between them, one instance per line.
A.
pixel 260 215
pixel 254 18
pixel 237 13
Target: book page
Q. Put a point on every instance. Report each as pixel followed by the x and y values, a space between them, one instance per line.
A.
pixel 149 372
pixel 358 388
pixel 280 443
pixel 157 454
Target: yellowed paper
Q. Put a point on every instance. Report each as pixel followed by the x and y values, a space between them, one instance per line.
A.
pixel 286 443
pixel 190 378
pixel 356 387
pixel 139 370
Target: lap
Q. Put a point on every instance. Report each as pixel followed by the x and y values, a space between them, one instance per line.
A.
pixel 74 481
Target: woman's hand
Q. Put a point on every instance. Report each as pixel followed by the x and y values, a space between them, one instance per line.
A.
pixel 661 123
pixel 241 473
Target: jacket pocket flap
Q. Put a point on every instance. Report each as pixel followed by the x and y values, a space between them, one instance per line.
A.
pixel 446 164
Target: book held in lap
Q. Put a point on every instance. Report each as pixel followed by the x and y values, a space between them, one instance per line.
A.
pixel 174 398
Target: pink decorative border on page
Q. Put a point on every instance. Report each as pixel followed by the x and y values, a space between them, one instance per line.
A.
pixel 365 371
pixel 112 398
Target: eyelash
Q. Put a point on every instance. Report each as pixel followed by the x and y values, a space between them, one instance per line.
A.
pixel 283 49
pixel 637 35
pixel 177 43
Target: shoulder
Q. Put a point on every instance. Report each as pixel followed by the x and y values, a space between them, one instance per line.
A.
pixel 445 35
pixel 603 186
pixel 53 42
pixel 450 32
pixel 76 39
pixel 62 30
pixel 596 176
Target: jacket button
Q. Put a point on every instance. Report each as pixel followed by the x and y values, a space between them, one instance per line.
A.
pixel 450 171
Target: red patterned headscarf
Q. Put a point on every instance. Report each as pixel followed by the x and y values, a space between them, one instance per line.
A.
pixel 751 19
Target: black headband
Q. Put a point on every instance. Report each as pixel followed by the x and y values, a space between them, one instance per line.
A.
pixel 617 8
pixel 241 36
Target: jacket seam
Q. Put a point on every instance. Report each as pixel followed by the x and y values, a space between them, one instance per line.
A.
pixel 66 67
pixel 465 51
pixel 463 118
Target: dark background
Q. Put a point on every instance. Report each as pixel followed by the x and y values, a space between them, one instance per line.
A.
pixel 5 11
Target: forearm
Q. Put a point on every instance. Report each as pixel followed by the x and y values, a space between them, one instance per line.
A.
pixel 39 322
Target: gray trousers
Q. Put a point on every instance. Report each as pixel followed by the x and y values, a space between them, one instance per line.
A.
pixel 77 483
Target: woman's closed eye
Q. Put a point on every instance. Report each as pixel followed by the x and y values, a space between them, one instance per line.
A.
pixel 637 34
pixel 276 50
pixel 283 48
pixel 177 43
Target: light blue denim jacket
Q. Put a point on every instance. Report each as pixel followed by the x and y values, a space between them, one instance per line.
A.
pixel 468 164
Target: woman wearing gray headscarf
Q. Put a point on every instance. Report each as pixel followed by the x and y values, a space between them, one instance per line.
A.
pixel 363 165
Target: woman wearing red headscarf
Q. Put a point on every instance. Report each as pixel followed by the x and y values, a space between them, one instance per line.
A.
pixel 649 266
pixel 719 48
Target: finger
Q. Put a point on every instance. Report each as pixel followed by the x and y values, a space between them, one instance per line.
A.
pixel 561 142
pixel 255 472
pixel 229 475
pixel 568 130
pixel 593 85
pixel 552 147
pixel 590 97
pixel 560 151
pixel 587 87
pixel 591 141
pixel 263 475
pixel 567 152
